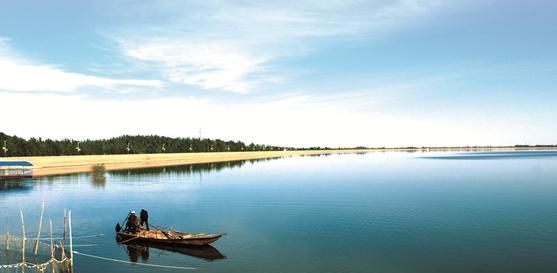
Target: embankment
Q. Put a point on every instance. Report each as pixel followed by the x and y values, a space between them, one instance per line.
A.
pixel 58 165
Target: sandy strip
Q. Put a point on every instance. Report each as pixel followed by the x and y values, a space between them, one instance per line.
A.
pixel 57 165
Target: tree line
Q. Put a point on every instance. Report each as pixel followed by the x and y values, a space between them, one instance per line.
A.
pixel 126 144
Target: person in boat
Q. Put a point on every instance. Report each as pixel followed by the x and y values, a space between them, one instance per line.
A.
pixel 131 224
pixel 144 216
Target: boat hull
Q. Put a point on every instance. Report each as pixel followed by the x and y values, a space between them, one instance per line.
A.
pixel 196 240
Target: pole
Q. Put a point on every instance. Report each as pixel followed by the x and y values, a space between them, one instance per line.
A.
pixel 64 237
pixel 51 247
pixel 71 241
pixel 40 228
pixel 126 219
pixel 22 242
pixel 7 236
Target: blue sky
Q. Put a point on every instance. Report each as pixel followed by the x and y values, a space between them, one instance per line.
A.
pixel 299 73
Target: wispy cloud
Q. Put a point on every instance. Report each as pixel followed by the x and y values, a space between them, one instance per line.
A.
pixel 23 75
pixel 208 65
pixel 233 47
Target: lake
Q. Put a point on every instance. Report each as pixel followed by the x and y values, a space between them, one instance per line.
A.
pixel 382 212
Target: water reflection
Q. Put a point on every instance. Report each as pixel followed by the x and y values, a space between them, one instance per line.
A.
pixel 98 181
pixel 136 251
pixel 181 169
pixel 187 169
pixel 15 185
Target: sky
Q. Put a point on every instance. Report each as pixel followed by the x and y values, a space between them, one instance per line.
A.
pixel 299 73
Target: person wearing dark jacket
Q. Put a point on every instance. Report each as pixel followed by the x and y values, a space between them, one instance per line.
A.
pixel 131 224
pixel 144 218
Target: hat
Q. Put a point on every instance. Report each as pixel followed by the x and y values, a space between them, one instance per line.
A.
pixel 133 212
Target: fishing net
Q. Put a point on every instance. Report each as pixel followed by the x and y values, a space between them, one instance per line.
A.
pixel 40 256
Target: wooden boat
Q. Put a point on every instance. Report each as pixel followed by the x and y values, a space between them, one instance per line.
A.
pixel 168 237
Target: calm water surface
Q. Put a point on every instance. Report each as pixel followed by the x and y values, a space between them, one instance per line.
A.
pixel 375 212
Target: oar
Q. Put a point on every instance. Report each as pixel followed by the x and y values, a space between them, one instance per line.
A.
pixel 126 219
pixel 123 242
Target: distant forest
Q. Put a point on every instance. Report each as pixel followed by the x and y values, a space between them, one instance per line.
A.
pixel 17 146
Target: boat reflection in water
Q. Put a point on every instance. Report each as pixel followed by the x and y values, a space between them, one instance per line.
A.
pixel 136 251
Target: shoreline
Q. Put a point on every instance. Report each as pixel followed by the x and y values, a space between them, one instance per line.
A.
pixel 61 165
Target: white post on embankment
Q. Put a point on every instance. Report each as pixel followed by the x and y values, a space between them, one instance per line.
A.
pixel 71 239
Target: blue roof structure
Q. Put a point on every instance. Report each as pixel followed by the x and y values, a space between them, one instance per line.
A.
pixel 15 164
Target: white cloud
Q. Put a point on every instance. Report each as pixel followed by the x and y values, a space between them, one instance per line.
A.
pixel 208 65
pixel 19 74
pixel 233 47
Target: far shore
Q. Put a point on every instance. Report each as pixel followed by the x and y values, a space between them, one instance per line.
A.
pixel 59 165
